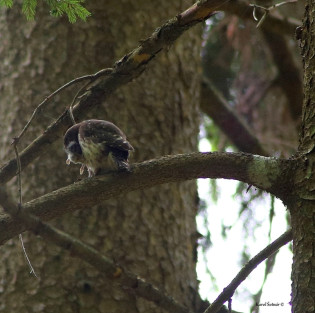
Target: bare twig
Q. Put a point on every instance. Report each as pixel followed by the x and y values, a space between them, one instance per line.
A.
pixel 272 6
pixel 90 78
pixel 228 291
pixel 267 10
pixel 74 100
pixel 125 70
pixel 40 106
pixel 108 268
pixel 32 271
pixel 132 65
pixel 275 24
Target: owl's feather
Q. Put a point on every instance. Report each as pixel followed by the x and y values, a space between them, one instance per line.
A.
pixel 99 145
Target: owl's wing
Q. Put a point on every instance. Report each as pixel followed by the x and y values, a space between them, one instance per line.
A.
pixel 106 133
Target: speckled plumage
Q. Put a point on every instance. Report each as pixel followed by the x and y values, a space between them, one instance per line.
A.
pixel 99 145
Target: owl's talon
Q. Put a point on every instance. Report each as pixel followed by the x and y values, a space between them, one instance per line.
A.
pixel 82 169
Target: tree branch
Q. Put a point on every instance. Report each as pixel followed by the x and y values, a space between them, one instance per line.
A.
pixel 124 71
pixel 270 174
pixel 40 107
pixel 214 105
pixel 129 281
pixel 247 269
pixel 76 248
pixel 131 66
pixel 279 25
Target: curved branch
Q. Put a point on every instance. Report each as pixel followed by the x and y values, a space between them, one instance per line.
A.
pixel 275 24
pixel 79 249
pixel 247 269
pixel 132 65
pixel 76 248
pixel 125 70
pixel 270 174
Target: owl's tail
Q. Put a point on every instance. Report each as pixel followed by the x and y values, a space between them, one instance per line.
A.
pixel 120 159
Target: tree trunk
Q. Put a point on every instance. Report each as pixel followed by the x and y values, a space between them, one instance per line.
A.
pixel 152 232
pixel 302 207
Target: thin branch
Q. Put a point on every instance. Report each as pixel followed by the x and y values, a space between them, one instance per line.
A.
pixel 40 107
pixel 132 65
pixel 267 10
pixel 32 271
pixel 215 106
pixel 104 265
pixel 74 100
pixel 275 24
pixel 125 70
pixel 247 269
pixel 270 174
pixel 128 280
pixel 15 142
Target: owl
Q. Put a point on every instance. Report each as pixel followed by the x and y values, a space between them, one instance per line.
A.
pixel 98 145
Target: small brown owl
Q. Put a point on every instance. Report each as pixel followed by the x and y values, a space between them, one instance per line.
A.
pixel 98 145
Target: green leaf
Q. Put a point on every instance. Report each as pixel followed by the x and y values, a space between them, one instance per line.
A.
pixel 82 13
pixel 29 9
pixel 72 8
pixel 6 3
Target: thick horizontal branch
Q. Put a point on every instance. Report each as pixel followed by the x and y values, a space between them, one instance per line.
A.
pixel 270 174
pixel 76 248
pixel 131 66
pixel 124 71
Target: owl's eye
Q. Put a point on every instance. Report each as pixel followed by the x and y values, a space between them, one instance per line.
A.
pixel 74 147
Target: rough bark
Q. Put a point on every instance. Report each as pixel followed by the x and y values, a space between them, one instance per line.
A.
pixel 268 174
pixel 99 86
pixel 152 232
pixel 303 207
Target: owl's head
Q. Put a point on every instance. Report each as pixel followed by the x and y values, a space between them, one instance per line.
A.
pixel 72 145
